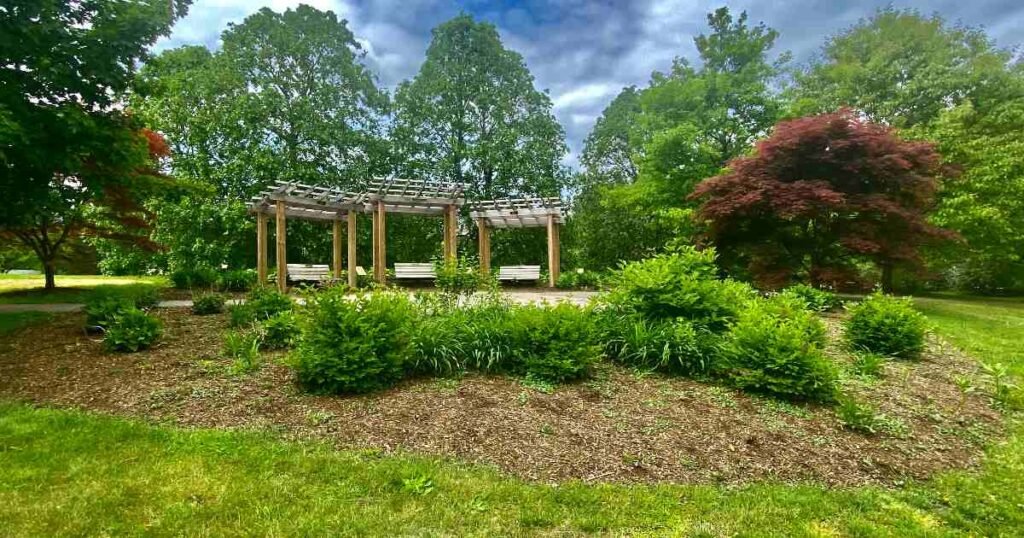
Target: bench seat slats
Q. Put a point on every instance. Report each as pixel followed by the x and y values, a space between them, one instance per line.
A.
pixel 415 271
pixel 519 272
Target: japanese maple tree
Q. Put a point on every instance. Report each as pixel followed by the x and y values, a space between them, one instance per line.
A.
pixel 820 194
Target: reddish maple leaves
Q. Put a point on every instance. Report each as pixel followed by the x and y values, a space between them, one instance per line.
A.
pixel 819 195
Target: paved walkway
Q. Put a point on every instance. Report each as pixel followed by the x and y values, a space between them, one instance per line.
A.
pixel 522 297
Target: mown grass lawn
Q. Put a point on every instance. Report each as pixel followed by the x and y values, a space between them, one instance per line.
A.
pixel 25 289
pixel 70 473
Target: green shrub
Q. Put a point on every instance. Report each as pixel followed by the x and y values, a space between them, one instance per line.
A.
pixel 236 280
pixel 131 331
pixel 816 299
pixel 207 303
pixel 864 418
pixel 459 277
pixel 555 343
pixel 580 279
pixel 243 348
pixel 670 345
pixel 886 325
pixel 195 277
pixel 261 303
pixel 867 364
pixel 680 284
pixel 353 345
pixel 775 347
pixel 280 331
pixel 143 296
pixel 102 311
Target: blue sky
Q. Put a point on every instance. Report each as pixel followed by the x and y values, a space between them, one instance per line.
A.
pixel 584 51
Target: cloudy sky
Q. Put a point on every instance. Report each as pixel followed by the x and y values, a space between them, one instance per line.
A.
pixel 584 51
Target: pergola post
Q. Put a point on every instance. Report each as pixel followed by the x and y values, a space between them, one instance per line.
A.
pixel 451 231
pixel 336 248
pixel 553 251
pixel 261 247
pixel 352 249
pixel 484 234
pixel 379 243
pixel 282 262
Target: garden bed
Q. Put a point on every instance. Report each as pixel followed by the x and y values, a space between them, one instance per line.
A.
pixel 620 426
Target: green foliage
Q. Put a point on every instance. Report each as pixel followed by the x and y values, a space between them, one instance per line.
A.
pixel 673 345
pixel 236 280
pixel 816 299
pixel 868 364
pixel 261 303
pixel 886 325
pixel 683 284
pixel 1005 393
pixel 775 347
pixel 131 330
pixel 864 418
pixel 471 84
pixel 353 345
pixel 207 303
pixel 580 279
pixel 103 307
pixel 459 277
pixel 243 348
pixel 555 343
pixel 200 276
pixel 280 331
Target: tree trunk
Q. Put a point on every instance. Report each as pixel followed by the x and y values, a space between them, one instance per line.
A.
pixel 50 270
pixel 887 277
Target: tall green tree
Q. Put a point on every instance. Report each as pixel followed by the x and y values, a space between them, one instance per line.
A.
pixel 901 68
pixel 287 97
pixel 675 133
pixel 72 163
pixel 472 115
pixel 608 151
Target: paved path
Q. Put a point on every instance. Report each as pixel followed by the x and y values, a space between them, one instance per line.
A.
pixel 522 297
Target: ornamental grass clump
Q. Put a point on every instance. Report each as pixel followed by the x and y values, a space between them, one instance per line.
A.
pixel 886 325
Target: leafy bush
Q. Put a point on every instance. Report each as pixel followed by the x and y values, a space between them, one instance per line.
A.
pixel 775 347
pixel 102 311
pixel 351 346
pixel 207 303
pixel 580 279
pixel 886 325
pixel 236 280
pixel 459 277
pixel 243 348
pixel 131 331
pixel 672 345
pixel 262 303
pixel 680 284
pixel 864 418
pixel 555 343
pixel 194 277
pixel 815 299
pixel 102 307
pixel 280 331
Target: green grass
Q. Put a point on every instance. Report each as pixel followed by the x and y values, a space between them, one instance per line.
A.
pixel 28 289
pixel 991 329
pixel 72 473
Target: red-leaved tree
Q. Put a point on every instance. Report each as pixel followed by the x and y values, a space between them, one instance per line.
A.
pixel 819 195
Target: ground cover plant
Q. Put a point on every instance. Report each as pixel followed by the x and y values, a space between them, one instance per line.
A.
pixel 204 304
pixel 131 330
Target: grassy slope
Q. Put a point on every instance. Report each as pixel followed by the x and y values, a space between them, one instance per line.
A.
pixel 22 289
pixel 71 473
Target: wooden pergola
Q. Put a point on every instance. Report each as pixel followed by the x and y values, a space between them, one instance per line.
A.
pixel 519 213
pixel 382 196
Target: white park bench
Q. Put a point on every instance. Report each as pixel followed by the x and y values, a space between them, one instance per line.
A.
pixel 415 271
pixel 298 272
pixel 519 273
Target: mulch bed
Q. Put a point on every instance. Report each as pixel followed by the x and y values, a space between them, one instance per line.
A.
pixel 621 426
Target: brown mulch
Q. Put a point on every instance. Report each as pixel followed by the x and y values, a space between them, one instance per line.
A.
pixel 621 426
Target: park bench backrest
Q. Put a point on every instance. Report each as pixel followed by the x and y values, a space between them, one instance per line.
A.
pixel 298 272
pixel 415 270
pixel 519 273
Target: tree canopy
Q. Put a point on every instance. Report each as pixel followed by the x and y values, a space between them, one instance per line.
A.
pixel 819 193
